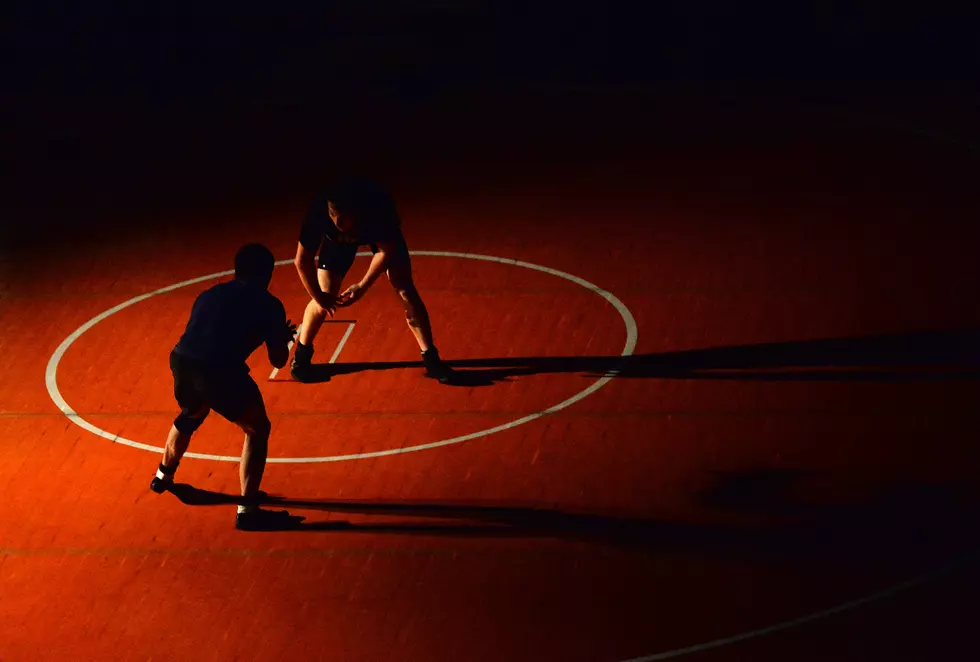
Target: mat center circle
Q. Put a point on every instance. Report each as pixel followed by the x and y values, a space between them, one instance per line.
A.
pixel 51 374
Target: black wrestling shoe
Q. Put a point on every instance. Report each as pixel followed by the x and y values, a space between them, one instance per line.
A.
pixel 161 485
pixel 265 520
pixel 435 367
pixel 164 479
pixel 301 367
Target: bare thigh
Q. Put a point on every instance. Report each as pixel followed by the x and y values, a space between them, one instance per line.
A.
pixel 253 420
pixel 329 282
pixel 400 275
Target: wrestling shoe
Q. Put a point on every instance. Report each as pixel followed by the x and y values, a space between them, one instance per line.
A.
pixel 301 366
pixel 435 367
pixel 164 479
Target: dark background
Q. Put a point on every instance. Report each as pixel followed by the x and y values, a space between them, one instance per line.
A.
pixel 114 106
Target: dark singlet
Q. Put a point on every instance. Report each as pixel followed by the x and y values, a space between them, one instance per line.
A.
pixel 230 321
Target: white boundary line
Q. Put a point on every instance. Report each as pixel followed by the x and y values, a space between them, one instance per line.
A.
pixel 51 372
pixel 813 616
pixel 895 589
pixel 51 382
pixel 340 345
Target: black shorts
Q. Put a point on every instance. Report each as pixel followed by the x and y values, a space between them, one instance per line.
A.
pixel 338 258
pixel 197 385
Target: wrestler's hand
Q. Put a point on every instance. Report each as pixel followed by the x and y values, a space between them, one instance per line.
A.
pixel 326 304
pixel 290 331
pixel 351 295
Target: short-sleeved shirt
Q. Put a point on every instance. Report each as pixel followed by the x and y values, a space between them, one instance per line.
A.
pixel 377 222
pixel 230 321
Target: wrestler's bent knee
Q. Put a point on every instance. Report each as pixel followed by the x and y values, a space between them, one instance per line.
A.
pixel 188 423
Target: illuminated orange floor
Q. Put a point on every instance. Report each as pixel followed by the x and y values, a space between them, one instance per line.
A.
pixel 726 505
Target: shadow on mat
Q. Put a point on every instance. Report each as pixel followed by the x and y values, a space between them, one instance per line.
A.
pixel 907 521
pixel 917 356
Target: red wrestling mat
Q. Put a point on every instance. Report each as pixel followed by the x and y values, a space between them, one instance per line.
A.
pixel 784 468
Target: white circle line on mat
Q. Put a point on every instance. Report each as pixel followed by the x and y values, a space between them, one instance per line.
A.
pixel 51 373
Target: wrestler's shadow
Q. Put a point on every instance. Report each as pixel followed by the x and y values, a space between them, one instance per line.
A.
pixel 319 373
pixel 462 519
pixel 904 520
pixel 930 355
